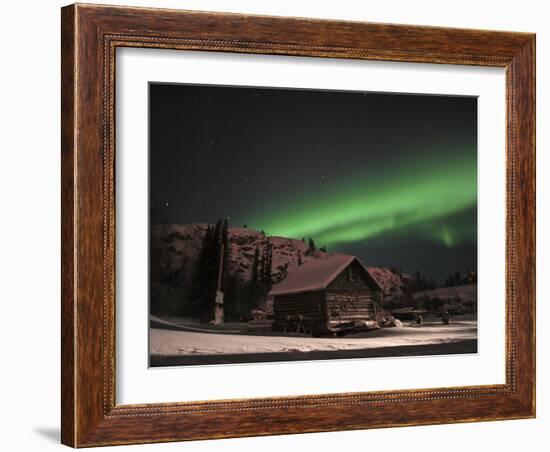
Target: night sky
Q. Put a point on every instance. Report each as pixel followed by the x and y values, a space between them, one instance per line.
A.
pixel 390 178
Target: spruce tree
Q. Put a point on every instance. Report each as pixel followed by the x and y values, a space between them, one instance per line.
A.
pixel 205 279
pixel 311 246
pixel 231 298
pixel 200 286
pixel 254 281
pixel 457 278
pixel 267 260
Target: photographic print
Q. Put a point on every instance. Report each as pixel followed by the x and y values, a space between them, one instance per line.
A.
pixel 300 224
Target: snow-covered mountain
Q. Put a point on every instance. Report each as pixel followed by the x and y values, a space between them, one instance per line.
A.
pixel 392 283
pixel 175 250
pixel 184 241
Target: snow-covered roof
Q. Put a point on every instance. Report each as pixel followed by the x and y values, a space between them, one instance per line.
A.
pixel 316 274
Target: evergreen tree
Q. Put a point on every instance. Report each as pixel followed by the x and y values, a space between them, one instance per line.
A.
pixel 257 287
pixel 205 279
pixel 256 264
pixel 269 266
pixel 229 283
pixel 311 246
pixel 168 288
pixel 253 289
pixel 454 280
pixel 200 285
pixel 224 231
pixel 457 278
pixel 300 261
pixel 267 261
pixel 217 230
pixel 231 299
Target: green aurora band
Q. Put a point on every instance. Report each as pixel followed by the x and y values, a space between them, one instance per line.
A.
pixel 421 199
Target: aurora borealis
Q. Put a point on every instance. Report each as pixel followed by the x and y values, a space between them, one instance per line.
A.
pixel 402 202
pixel 391 178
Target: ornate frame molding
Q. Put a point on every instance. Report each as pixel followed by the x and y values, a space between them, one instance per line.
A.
pixel 90 37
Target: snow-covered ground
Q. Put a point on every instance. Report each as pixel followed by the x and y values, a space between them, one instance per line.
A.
pixel 164 342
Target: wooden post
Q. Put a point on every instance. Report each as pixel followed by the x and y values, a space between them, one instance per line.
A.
pixel 218 309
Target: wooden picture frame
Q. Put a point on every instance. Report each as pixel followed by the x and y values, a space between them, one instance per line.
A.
pixel 90 36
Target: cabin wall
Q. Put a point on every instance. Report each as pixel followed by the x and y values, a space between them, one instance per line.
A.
pixel 352 299
pixel 351 304
pixel 350 296
pixel 309 305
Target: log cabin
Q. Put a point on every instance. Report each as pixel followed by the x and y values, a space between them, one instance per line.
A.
pixel 334 294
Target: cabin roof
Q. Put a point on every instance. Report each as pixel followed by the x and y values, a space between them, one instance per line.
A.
pixel 316 274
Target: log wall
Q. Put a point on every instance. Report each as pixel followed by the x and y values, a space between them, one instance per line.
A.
pixel 309 305
pixel 351 305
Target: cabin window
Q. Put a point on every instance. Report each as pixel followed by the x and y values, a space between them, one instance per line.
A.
pixel 350 274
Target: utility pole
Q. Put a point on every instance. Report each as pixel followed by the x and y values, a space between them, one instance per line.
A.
pixel 218 310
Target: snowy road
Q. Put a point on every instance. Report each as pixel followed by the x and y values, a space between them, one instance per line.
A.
pixel 173 343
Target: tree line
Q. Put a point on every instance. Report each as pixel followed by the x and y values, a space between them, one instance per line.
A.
pixel 240 297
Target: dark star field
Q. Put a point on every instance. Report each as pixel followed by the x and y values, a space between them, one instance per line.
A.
pixel 390 178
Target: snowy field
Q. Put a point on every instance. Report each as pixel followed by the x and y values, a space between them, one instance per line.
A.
pixel 165 342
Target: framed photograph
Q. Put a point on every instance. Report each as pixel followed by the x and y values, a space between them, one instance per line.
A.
pixel 281 225
pixel 270 207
